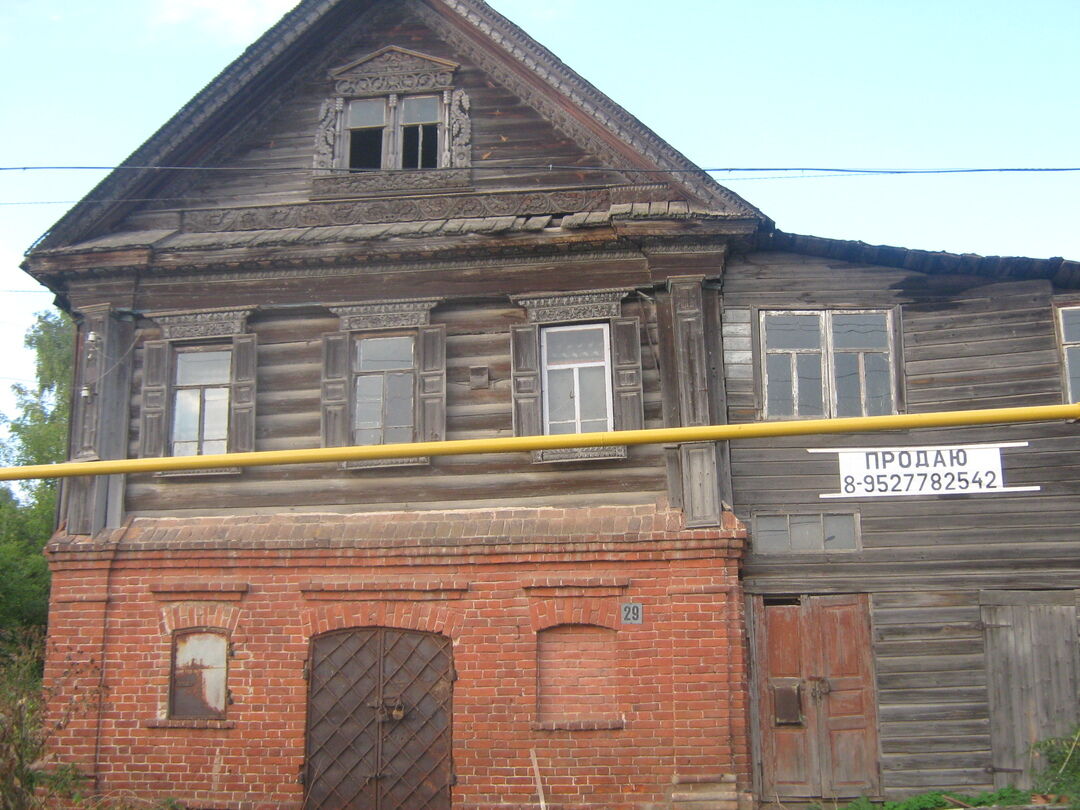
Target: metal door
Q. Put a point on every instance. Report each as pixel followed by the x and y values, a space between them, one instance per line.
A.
pixel 1033 668
pixel 378 728
pixel 815 693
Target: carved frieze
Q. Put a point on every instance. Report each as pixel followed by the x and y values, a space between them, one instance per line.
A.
pixel 585 306
pixel 394 314
pixel 358 212
pixel 205 324
pixel 393 70
pixel 374 182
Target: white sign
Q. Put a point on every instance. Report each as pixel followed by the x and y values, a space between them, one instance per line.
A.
pixel 958 469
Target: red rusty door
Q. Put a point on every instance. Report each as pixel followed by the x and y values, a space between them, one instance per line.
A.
pixel 815 689
pixel 378 728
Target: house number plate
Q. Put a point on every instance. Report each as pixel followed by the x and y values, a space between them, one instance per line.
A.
pixel 632 613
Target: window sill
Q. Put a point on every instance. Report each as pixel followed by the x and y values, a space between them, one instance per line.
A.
pixel 197 473
pixel 360 184
pixel 378 463
pixel 190 722
pixel 579 454
pixel 610 724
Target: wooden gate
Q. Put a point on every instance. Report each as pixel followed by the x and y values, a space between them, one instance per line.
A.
pixel 378 728
pixel 1034 675
pixel 815 693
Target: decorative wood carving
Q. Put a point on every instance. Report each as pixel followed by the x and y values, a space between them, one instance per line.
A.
pixel 393 70
pixel 460 134
pixel 586 306
pixel 205 324
pixel 373 182
pixel 395 314
pixel 410 209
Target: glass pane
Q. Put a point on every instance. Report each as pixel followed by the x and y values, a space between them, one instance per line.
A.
pixel 560 396
pixel 368 436
pixel 585 345
pixel 792 331
pixel 1072 360
pixel 399 401
pixel 379 354
pixel 203 368
pixel 771 534
pixel 1070 324
pixel 215 413
pixel 186 415
pixel 398 435
pixel 559 428
pixel 839 532
pixel 848 389
pixel 214 448
pixel 592 403
pixel 781 400
pixel 878 384
pixel 808 367
pixel 185 448
pixel 368 407
pixel 806 533
pixel 420 110
pixel 367 112
pixel 594 426
pixel 860 330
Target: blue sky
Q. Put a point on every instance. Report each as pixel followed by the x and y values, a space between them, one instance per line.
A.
pixel 835 83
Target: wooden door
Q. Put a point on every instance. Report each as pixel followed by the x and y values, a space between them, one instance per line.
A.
pixel 815 688
pixel 378 729
pixel 1033 674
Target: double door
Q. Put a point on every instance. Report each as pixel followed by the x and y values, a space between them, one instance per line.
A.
pixel 815 695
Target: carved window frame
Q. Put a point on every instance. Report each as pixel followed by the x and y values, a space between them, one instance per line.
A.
pixel 392 318
pixel 624 365
pixel 392 73
pixel 200 330
pixel 1069 342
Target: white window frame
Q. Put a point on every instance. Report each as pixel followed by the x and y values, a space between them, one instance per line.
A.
pixel 413 370
pixel 1071 395
pixel 393 132
pixel 827 354
pixel 545 385
pixel 175 388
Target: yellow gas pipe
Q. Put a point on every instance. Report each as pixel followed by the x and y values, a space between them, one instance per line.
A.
pixel 513 444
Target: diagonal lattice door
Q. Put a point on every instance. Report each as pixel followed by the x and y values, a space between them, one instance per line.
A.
pixel 378 731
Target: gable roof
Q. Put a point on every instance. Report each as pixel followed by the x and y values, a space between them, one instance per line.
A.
pixel 580 108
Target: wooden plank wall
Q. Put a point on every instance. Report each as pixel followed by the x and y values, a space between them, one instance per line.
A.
pixel 288 413
pixel 967 343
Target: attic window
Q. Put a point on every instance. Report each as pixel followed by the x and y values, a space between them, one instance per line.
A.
pixel 395 133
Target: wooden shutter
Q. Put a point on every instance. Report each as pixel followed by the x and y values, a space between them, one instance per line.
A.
pixel 242 400
pixel 627 398
pixel 525 379
pixel 336 418
pixel 155 390
pixel 431 384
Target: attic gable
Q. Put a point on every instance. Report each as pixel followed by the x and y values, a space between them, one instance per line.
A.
pixel 394 70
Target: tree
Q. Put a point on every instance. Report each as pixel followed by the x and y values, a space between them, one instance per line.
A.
pixel 36 435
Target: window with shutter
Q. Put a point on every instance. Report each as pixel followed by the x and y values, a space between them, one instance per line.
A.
pixel 576 368
pixel 198 393
pixel 384 378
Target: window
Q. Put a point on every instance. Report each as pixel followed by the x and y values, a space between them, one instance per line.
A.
pixel 200 413
pixel 395 132
pixel 576 377
pixel 1070 347
pixel 198 392
pixel 384 386
pixel 794 533
pixel 198 683
pixel 827 363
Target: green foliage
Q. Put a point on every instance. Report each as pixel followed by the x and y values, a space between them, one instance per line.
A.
pixel 935 799
pixel 36 435
pixel 1061 770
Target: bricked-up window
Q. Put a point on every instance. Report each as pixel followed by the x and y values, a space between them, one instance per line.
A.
pixel 577 677
pixel 199 669
pixel 1070 347
pixel 827 363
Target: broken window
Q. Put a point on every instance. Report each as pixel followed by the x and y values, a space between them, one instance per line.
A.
pixel 199 674
pixel 1070 347
pixel 395 132
pixel 827 363
pixel 795 533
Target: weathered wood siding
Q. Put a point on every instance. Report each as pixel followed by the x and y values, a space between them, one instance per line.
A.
pixel 966 343
pixel 288 408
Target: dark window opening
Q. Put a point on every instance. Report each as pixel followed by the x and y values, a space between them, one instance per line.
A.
pixel 420 147
pixel 365 149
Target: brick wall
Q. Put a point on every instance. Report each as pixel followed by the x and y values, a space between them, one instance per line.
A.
pixel 511 588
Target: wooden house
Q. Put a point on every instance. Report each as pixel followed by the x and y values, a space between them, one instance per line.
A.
pixel 401 221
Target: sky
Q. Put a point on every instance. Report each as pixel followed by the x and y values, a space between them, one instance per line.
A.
pixel 924 84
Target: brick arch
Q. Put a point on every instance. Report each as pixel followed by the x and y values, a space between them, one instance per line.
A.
pixel 431 617
pixel 599 611
pixel 181 615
